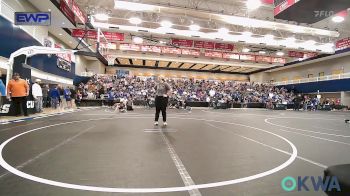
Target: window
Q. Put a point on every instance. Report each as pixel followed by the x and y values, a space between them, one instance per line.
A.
pixel 310 75
pixel 320 74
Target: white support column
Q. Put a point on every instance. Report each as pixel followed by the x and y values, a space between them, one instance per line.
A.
pixel 345 98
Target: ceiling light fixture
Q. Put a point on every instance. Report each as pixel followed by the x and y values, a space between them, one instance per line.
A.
pixel 101 16
pixel 194 27
pixel 223 30
pixel 246 50
pixel 167 24
pixel 338 19
pixel 280 53
pixel 126 5
pixel 331 45
pixel 269 36
pixel 291 39
pixel 135 20
pixel 137 40
pixel 253 4
pixel 247 33
pixel 311 42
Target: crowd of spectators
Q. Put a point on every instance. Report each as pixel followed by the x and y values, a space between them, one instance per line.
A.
pixel 183 89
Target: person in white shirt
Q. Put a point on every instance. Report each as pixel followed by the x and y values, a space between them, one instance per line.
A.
pixel 37 95
pixel 212 93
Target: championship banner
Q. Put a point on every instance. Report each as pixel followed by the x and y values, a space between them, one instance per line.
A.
pixel 156 49
pixel 91 34
pixel 213 54
pixel 221 46
pixel 167 50
pixel 182 42
pixel 71 9
pixel 343 44
pixel 205 45
pixel 65 9
pixel 267 59
pixel 78 13
pixel 296 54
pixel 193 52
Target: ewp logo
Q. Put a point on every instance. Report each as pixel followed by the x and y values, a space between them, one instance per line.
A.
pixel 33 18
pixel 328 184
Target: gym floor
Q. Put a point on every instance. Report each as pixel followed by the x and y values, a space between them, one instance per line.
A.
pixel 203 152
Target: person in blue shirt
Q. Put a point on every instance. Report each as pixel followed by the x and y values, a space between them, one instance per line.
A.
pixel 67 96
pixel 2 90
pixel 55 96
pixel 110 97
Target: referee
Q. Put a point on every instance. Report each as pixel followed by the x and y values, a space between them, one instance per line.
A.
pixel 161 102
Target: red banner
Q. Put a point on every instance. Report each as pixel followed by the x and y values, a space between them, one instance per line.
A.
pixel 131 47
pixel 156 49
pixel 81 32
pixel 168 50
pixel 213 54
pixel 198 44
pixel 190 52
pixel 230 56
pixel 283 6
pixel 296 54
pixel 247 57
pixel 110 36
pixel 65 9
pixel 221 46
pixel 209 45
pixel 310 54
pixel 80 15
pixel 278 60
pixel 68 2
pixel 263 59
pixel 343 43
pixel 203 44
pixel 182 42
pixel 113 36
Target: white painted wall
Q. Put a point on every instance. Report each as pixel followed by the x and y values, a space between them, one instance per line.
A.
pixel 9 7
pixel 178 74
pixel 95 66
pixel 80 64
pixel 345 98
pixel 259 77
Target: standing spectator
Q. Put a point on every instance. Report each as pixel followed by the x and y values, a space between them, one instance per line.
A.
pixel 61 97
pixel 54 96
pixel 129 104
pixel 2 90
pixel 38 96
pixel 17 91
pixel 46 95
pixel 67 96
pixel 73 95
pixel 78 99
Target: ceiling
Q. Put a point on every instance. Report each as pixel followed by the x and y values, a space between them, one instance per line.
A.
pixel 210 15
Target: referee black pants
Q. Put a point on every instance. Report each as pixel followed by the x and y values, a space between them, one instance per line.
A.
pixel 161 104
